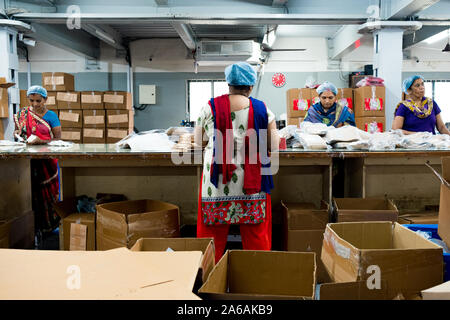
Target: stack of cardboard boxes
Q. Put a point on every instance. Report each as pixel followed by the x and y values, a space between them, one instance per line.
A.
pixel 4 103
pixel 299 100
pixel 87 116
pixel 370 104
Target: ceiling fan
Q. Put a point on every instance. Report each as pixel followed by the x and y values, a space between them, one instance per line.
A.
pixel 266 48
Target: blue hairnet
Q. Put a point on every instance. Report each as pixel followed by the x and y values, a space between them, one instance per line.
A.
pixel 407 83
pixel 327 86
pixel 240 74
pixel 37 90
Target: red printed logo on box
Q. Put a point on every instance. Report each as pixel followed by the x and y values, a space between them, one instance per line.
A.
pixel 301 104
pixel 347 102
pixel 371 104
pixel 373 127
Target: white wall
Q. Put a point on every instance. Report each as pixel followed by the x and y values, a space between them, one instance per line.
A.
pixel 171 55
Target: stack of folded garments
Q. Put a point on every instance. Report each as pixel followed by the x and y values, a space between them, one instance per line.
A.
pixel 371 81
pixel 312 142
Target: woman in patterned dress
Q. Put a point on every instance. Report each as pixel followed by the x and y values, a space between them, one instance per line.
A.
pixel 418 113
pixel 236 191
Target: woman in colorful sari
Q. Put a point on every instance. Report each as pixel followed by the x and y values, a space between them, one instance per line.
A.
pixel 418 113
pixel 236 191
pixel 39 126
pixel 328 110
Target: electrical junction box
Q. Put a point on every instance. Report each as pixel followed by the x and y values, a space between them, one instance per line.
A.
pixel 147 94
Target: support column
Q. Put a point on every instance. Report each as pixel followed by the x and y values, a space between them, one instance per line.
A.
pixel 9 69
pixel 388 62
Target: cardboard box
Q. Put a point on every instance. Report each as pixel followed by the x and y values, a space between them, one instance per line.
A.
pixel 115 135
pixel 94 119
pixel 58 81
pixel 345 97
pixel 71 118
pixel 371 124
pixel 121 224
pixel 440 292
pixel 118 100
pixel 314 97
pixel 94 135
pixel 4 98
pixel 71 134
pixel 298 102
pixel 119 119
pixel 205 245
pixel 24 99
pixel 5 227
pixel 370 101
pixel 406 261
pixel 51 100
pixel 258 275
pixel 118 274
pixel 304 226
pixel 294 121
pixel 444 203
pixel 426 217
pixel 350 291
pixel 365 209
pixel 68 100
pixel 92 100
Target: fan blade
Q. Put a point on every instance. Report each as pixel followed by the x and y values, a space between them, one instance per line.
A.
pixel 271 50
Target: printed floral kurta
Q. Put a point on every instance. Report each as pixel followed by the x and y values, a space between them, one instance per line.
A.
pixel 228 204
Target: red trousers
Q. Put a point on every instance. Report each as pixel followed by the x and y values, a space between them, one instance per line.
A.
pixel 254 236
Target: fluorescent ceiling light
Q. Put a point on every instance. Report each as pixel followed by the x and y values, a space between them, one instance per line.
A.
pixel 437 37
pixel 104 36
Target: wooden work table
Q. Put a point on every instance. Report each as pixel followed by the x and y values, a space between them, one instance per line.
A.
pixel 303 176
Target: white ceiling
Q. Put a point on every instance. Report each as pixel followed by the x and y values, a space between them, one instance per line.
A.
pixel 307 31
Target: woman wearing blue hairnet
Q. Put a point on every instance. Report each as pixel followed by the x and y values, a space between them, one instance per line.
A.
pixel 418 113
pixel 41 124
pixel 328 110
pixel 235 188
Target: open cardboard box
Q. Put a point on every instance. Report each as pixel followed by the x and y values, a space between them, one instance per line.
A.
pixel 350 291
pixel 205 245
pixel 121 224
pixel 256 275
pixel 440 292
pixel 97 275
pixel 304 226
pixel 406 261
pixel 365 209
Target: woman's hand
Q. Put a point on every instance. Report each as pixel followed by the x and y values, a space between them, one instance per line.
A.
pixel 38 141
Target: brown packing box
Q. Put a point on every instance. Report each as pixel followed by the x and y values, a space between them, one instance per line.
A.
pixel 346 97
pixel 58 81
pixel 117 100
pixel 119 119
pixel 440 292
pixel 292 97
pixel 426 217
pixel 304 226
pixel 68 100
pixel 67 210
pixel 51 100
pixel 24 99
pixel 5 227
pixel 4 99
pixel 1 130
pixel 351 291
pixel 71 118
pixel 115 135
pixel 294 121
pixel 365 209
pixel 406 261
pixel 121 224
pixel 91 135
pixel 93 119
pixel 205 245
pixel 118 274
pixel 92 100
pixel 314 96
pixel 72 134
pixel 255 275
pixel 363 96
pixel 371 124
